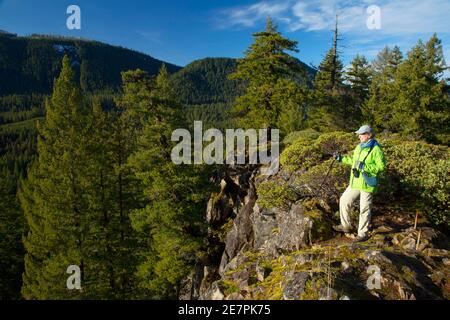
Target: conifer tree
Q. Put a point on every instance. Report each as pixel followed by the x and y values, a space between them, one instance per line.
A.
pixel 387 62
pixel 11 248
pixel 175 194
pixel 422 106
pixel 359 76
pixel 113 192
pixel 269 72
pixel 77 201
pixel 332 107
pixel 53 200
pixel 377 109
pixel 411 97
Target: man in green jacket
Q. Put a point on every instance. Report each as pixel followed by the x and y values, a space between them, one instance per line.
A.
pixel 367 162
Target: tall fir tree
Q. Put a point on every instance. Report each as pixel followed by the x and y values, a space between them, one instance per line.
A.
pixel 359 77
pixel 175 194
pixel 377 109
pixel 422 106
pixel 53 199
pixel 276 83
pixel 11 230
pixel 332 107
pixel 386 63
pixel 113 192
pixel 77 200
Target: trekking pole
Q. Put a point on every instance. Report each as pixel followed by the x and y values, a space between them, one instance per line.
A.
pixel 328 172
pixel 415 220
pixel 418 240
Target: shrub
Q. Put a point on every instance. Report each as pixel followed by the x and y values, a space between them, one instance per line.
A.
pixel 275 193
pixel 419 171
pixel 308 150
pixel 416 171
pixel 303 137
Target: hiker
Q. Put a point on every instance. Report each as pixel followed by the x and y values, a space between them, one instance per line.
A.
pixel 367 162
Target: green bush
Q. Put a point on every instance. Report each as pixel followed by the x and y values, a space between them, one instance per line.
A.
pixel 316 183
pixel 416 171
pixel 304 137
pixel 307 149
pixel 419 171
pixel 336 142
pixel 299 157
pixel 275 193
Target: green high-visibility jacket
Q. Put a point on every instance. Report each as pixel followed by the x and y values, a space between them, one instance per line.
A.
pixel 374 164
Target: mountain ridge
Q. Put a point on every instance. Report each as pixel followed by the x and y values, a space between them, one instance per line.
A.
pixel 30 63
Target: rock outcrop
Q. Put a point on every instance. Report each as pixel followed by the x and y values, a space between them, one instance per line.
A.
pixel 289 251
pixel 279 253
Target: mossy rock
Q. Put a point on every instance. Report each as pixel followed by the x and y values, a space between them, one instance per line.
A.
pixel 275 193
pixel 229 286
pixel 320 213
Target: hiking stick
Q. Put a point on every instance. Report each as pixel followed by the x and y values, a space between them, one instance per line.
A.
pixel 328 172
pixel 418 239
pixel 415 221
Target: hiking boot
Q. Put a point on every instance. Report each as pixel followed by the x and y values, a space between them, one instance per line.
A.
pixel 361 239
pixel 351 236
pixel 340 228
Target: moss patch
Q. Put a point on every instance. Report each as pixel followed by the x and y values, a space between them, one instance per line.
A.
pixel 229 286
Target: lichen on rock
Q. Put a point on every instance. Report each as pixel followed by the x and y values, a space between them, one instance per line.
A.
pixel 278 243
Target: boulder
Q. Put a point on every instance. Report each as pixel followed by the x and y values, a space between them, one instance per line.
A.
pixel 295 285
pixel 214 292
pixel 241 235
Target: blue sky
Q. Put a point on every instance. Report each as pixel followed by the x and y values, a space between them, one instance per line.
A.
pixel 182 31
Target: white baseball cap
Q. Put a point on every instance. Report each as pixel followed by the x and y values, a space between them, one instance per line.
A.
pixel 364 129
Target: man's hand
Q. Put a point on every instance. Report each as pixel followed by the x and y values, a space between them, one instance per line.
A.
pixel 337 156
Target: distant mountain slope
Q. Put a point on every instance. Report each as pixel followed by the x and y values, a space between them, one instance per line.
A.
pixel 205 81
pixel 29 64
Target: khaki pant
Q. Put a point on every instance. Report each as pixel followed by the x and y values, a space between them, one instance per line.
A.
pixel 345 205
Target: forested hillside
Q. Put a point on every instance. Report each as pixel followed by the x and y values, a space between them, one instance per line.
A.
pixel 207 91
pixel 87 179
pixel 29 64
pixel 28 67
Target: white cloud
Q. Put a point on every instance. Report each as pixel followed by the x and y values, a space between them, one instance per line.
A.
pixel 309 19
pixel 398 17
pixel 414 16
pixel 248 16
pixel 403 22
